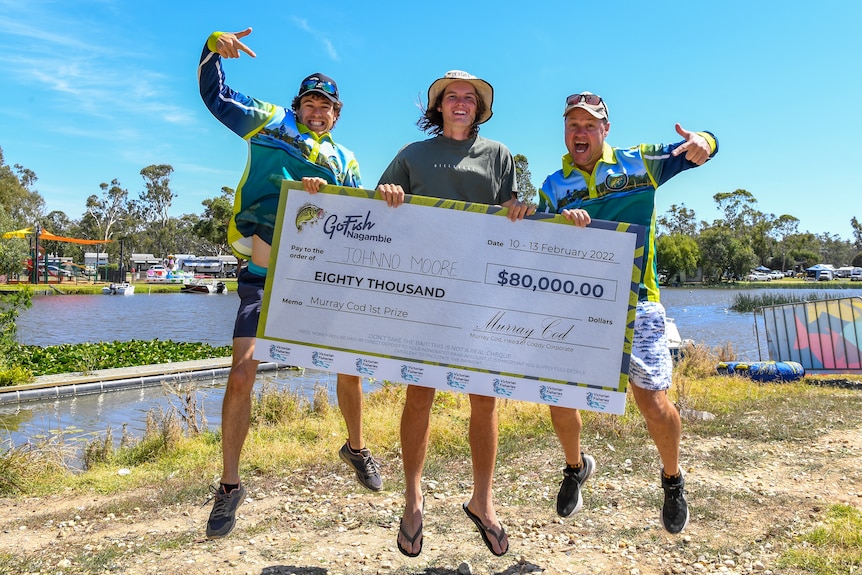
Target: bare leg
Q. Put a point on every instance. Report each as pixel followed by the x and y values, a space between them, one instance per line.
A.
pixel 350 398
pixel 236 407
pixel 567 424
pixel 663 423
pixel 415 430
pixel 483 448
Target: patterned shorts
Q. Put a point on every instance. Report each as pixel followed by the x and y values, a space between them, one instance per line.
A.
pixel 651 365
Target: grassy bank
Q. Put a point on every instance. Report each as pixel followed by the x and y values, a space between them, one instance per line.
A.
pixel 747 449
pixel 85 287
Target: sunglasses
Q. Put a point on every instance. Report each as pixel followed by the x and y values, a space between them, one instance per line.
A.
pixel 327 87
pixel 589 99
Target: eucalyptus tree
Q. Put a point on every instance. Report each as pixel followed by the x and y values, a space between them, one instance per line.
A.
pixel 834 250
pixel 155 202
pixel 211 228
pixel 678 220
pixel 785 226
pixel 857 232
pixel 59 224
pixel 723 254
pixel 14 251
pixel 526 189
pixel 103 214
pixel 677 253
pixel 22 204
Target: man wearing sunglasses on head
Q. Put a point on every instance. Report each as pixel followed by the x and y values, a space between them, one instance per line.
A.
pixel 292 143
pixel 605 183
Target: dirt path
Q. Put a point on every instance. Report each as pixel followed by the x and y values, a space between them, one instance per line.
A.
pixel 322 523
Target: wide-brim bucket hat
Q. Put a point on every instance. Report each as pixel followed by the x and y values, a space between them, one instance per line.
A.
pixel 483 88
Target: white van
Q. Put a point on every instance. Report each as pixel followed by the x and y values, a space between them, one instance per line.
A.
pixel 856 275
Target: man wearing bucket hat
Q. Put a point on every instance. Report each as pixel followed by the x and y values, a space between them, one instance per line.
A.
pixel 455 164
pixel 291 143
pixel 605 183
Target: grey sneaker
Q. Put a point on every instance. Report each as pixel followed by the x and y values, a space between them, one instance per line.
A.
pixel 223 516
pixel 569 500
pixel 674 512
pixel 366 467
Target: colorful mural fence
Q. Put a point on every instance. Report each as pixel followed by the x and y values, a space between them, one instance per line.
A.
pixel 823 336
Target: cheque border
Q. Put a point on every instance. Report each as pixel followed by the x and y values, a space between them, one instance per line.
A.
pixel 442 375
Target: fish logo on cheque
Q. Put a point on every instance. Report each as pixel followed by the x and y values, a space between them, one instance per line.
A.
pixel 322 360
pixel 308 215
pixel 503 387
pixel 457 380
pixel 597 401
pixel 279 353
pixel 366 366
pixel 550 394
pixel 410 373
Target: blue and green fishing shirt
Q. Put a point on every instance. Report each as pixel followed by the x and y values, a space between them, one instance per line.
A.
pixel 621 188
pixel 279 148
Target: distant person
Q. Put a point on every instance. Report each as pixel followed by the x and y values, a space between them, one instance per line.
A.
pixel 455 164
pixel 605 183
pixel 292 143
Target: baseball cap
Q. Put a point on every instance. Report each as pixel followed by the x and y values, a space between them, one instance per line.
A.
pixel 588 101
pixel 483 88
pixel 321 84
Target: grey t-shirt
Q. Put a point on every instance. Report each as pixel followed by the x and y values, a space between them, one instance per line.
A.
pixel 475 170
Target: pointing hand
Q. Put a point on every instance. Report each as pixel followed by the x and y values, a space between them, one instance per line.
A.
pixel 228 44
pixel 695 148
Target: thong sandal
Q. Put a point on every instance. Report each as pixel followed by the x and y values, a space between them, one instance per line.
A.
pixel 484 531
pixel 411 540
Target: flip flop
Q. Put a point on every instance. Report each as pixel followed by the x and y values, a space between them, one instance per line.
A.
pixel 484 531
pixel 411 540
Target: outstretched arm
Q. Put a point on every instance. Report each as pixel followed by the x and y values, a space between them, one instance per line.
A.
pixel 228 44
pixel 696 148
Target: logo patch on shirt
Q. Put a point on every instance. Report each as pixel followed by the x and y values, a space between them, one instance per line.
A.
pixel 616 181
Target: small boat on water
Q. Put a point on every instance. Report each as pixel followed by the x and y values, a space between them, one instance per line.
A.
pixel 674 340
pixel 124 288
pixel 204 286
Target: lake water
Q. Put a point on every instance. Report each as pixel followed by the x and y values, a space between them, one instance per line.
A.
pixel 702 315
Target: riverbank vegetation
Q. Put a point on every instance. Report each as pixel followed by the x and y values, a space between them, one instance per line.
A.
pixel 748 302
pixel 734 430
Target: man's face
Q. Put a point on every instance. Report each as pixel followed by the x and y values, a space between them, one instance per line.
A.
pixel 459 105
pixel 317 113
pixel 585 136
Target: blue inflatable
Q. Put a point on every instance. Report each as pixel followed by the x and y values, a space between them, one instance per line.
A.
pixel 763 370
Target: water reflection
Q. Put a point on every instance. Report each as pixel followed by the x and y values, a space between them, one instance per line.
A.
pixel 81 419
pixel 702 315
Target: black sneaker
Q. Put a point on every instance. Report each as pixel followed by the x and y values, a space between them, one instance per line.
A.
pixel 569 500
pixel 674 512
pixel 366 467
pixel 223 516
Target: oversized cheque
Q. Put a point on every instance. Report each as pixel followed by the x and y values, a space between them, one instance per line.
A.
pixel 453 296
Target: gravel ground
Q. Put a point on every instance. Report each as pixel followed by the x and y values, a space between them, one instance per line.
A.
pixel 745 514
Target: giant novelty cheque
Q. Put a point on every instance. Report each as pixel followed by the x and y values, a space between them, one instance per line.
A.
pixel 453 296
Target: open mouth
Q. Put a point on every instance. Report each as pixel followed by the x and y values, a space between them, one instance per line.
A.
pixel 581 147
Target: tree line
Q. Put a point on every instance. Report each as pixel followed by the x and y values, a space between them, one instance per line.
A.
pixel 139 223
pixel 727 248
pixel 745 238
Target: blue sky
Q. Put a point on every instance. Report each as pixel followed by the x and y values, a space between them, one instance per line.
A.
pixel 98 89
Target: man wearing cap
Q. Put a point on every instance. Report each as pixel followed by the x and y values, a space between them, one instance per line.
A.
pixel 605 183
pixel 284 143
pixel 455 164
